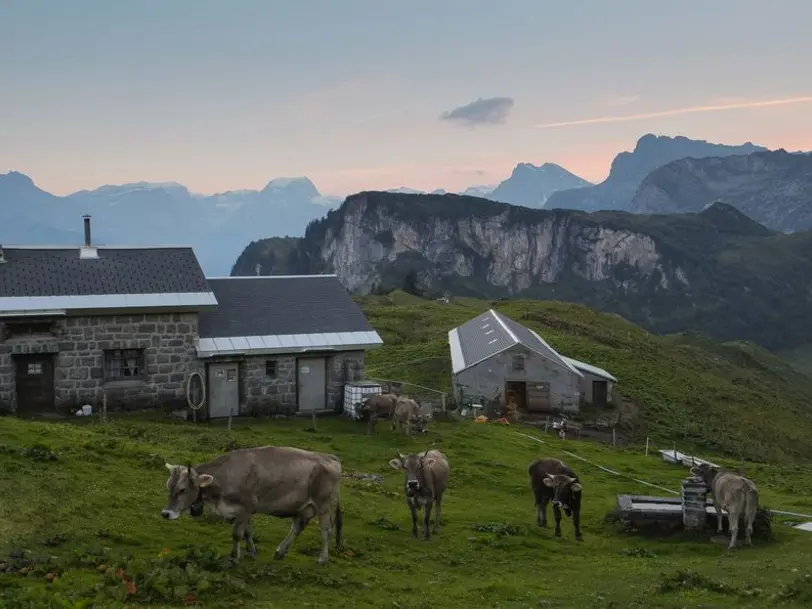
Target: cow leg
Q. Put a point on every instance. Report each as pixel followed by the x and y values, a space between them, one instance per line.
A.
pixel 718 508
pixel 300 521
pixel 576 523
pixel 733 525
pixel 413 509
pixel 427 520
pixel 541 513
pixel 439 508
pixel 238 532
pixel 325 526
pixel 557 516
pixel 248 537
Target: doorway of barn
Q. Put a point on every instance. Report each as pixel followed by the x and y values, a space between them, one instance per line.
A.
pixel 515 396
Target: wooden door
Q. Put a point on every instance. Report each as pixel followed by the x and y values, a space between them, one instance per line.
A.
pixel 538 396
pixel 600 393
pixel 312 384
pixel 224 390
pixel 34 380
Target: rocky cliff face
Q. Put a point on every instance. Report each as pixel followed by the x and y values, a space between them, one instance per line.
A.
pixel 773 188
pixel 630 168
pixel 501 249
pixel 716 272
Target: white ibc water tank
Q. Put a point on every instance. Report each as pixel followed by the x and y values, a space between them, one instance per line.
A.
pixel 354 394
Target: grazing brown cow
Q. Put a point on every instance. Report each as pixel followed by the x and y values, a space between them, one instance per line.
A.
pixel 552 480
pixel 733 493
pixel 280 481
pixel 378 406
pixel 407 416
pixel 426 480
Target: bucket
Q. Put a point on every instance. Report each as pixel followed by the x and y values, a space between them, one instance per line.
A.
pixel 87 409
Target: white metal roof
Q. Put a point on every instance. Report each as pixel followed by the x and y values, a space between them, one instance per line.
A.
pixel 589 368
pixel 26 305
pixel 287 343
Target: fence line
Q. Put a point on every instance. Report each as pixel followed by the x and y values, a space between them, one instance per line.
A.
pixel 620 475
pixel 394 382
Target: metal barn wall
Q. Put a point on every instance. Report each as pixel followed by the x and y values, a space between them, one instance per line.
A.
pixel 487 378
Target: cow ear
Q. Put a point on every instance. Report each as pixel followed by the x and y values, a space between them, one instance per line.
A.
pixel 169 466
pixel 576 487
pixel 548 482
pixel 395 463
pixel 204 480
pixel 427 462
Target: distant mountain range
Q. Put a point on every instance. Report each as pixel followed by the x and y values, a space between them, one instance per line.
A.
pixel 217 226
pixel 661 174
pixel 629 169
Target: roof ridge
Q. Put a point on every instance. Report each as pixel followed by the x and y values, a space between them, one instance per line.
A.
pixel 498 317
pixel 271 276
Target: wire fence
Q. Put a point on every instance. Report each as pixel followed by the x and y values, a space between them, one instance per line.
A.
pixel 430 399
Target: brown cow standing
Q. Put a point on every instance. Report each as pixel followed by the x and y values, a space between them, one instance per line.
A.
pixel 426 480
pixel 407 416
pixel 378 406
pixel 552 480
pixel 735 494
pixel 280 481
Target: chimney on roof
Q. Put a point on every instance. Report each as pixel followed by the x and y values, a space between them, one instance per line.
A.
pixel 86 218
pixel 87 251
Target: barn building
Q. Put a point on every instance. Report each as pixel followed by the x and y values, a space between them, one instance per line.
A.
pixel 494 358
pixel 133 323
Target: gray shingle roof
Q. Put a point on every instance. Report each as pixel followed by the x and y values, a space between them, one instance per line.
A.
pixel 492 332
pixel 281 305
pixel 30 272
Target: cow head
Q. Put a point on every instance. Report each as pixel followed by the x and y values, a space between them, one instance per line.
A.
pixel 566 491
pixel 412 466
pixel 706 472
pixel 185 487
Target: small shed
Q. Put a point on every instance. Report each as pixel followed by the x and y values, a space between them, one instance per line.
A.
pixel 596 384
pixel 493 357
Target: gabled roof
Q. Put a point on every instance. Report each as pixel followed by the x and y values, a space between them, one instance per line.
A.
pixel 491 333
pixel 59 279
pixel 283 314
pixel 589 368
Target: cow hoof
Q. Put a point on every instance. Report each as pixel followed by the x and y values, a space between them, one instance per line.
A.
pixel 322 560
pixel 558 533
pixel 278 555
pixel 579 537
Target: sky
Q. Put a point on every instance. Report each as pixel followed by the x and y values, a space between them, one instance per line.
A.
pixel 372 94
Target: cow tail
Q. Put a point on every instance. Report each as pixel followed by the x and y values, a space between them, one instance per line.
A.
pixel 751 508
pixel 339 524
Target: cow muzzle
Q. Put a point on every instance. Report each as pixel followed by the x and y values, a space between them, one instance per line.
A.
pixel 170 515
pixel 413 486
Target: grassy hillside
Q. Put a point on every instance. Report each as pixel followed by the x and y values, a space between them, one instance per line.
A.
pixel 83 513
pixel 734 398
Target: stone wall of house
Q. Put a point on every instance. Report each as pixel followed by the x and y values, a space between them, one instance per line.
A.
pixel 78 345
pixel 337 375
pixel 263 395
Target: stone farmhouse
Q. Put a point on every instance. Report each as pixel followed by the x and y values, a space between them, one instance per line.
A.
pixel 135 323
pixel 494 358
